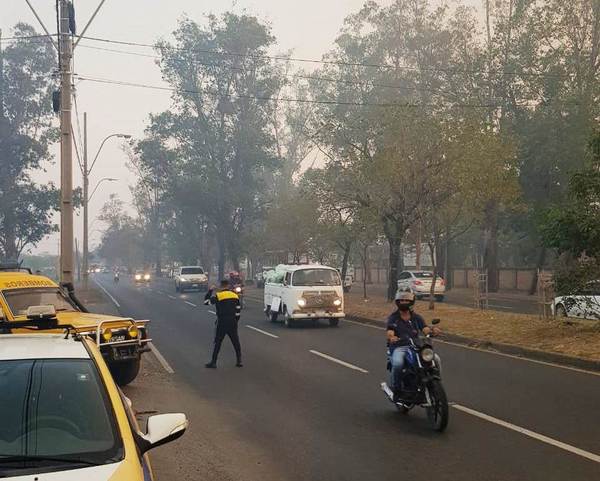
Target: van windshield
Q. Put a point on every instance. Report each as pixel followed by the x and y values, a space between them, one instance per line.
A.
pixel 316 277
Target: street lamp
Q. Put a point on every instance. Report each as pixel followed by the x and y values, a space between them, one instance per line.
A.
pixel 105 179
pixel 86 197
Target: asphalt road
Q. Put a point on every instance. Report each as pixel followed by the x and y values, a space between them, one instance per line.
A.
pixel 292 414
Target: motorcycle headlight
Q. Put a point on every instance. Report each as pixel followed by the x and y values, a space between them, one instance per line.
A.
pixel 301 302
pixel 427 354
pixel 147 277
pixel 238 289
pixel 337 302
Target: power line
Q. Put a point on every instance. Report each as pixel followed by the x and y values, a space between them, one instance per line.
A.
pixel 281 99
pixel 322 62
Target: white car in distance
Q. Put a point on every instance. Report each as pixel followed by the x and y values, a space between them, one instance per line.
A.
pixel 419 283
pixel 190 277
pixel 584 304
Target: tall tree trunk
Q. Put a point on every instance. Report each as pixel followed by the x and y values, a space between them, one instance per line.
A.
pixel 222 250
pixel 365 265
pixel 490 253
pixel 432 248
pixel 447 271
pixel 345 259
pixel 393 232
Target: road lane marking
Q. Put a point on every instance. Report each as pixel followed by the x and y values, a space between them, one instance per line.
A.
pixel 171 297
pixel 339 361
pixel 213 312
pixel 531 434
pixel 107 293
pixel 167 367
pixel 262 332
pixel 190 303
pixel 487 351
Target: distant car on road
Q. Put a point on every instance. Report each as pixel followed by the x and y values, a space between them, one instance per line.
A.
pixel 64 418
pixel 584 304
pixel 419 283
pixel 142 277
pixel 190 277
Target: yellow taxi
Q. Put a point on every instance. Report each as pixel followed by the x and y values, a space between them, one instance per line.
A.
pixel 63 417
pixel 24 301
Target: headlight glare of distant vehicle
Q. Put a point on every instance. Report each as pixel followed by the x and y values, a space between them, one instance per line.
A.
pixel 337 302
pixel 427 354
pixel 133 332
pixel 301 302
pixel 137 277
pixel 147 277
pixel 107 335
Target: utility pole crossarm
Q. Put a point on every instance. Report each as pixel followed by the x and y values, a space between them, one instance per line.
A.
pixel 89 23
pixel 54 44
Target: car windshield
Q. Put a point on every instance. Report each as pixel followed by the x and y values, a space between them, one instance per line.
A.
pixel 192 270
pixel 423 275
pixel 316 277
pixel 19 300
pixel 55 410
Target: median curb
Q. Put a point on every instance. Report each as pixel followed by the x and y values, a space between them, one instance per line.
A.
pixel 510 349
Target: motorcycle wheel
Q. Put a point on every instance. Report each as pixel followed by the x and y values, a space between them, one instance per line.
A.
pixel 438 413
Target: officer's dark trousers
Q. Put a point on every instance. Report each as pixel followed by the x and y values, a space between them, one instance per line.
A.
pixel 227 330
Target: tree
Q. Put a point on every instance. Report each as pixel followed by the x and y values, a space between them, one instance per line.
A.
pixel 219 124
pixel 26 131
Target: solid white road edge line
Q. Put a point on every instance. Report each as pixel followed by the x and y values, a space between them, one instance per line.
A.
pixel 107 293
pixel 339 361
pixel 518 358
pixel 262 332
pixel 161 359
pixel 190 303
pixel 531 434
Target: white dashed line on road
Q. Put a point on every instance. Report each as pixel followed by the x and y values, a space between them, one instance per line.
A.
pixel 167 367
pixel 339 361
pixel 190 303
pixel 171 297
pixel 262 332
pixel 213 312
pixel 107 293
pixel 531 434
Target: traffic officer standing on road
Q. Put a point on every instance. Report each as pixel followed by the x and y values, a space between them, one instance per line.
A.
pixel 228 309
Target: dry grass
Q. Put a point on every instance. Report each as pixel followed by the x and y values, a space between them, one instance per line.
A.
pixel 573 337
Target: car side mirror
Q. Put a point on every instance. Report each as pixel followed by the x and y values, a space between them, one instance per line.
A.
pixel 435 321
pixel 162 429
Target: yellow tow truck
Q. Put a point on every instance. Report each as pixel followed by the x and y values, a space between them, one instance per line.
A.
pixel 30 303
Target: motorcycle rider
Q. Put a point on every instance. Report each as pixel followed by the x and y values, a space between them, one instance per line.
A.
pixel 402 325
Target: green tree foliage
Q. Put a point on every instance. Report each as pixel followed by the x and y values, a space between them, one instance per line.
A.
pixel 26 132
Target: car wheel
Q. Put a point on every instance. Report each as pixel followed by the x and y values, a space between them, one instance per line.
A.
pixel 271 315
pixel 439 298
pixel 561 311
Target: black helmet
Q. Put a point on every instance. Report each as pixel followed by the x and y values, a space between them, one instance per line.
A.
pixel 405 298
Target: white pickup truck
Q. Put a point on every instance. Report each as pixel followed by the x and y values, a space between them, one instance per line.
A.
pixel 305 292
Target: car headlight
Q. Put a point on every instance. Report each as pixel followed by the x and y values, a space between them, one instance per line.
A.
pixel 147 276
pixel 301 302
pixel 337 302
pixel 107 335
pixel 238 289
pixel 137 277
pixel 427 354
pixel 182 279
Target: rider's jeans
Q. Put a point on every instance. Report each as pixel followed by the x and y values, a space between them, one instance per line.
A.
pixel 398 358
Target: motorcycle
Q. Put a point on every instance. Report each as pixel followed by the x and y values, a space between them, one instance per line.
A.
pixel 421 383
pixel 116 278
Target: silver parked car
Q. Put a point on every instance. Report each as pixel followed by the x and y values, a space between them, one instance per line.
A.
pixel 419 283
pixel 584 304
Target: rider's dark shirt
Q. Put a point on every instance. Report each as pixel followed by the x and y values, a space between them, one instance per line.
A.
pixel 405 330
